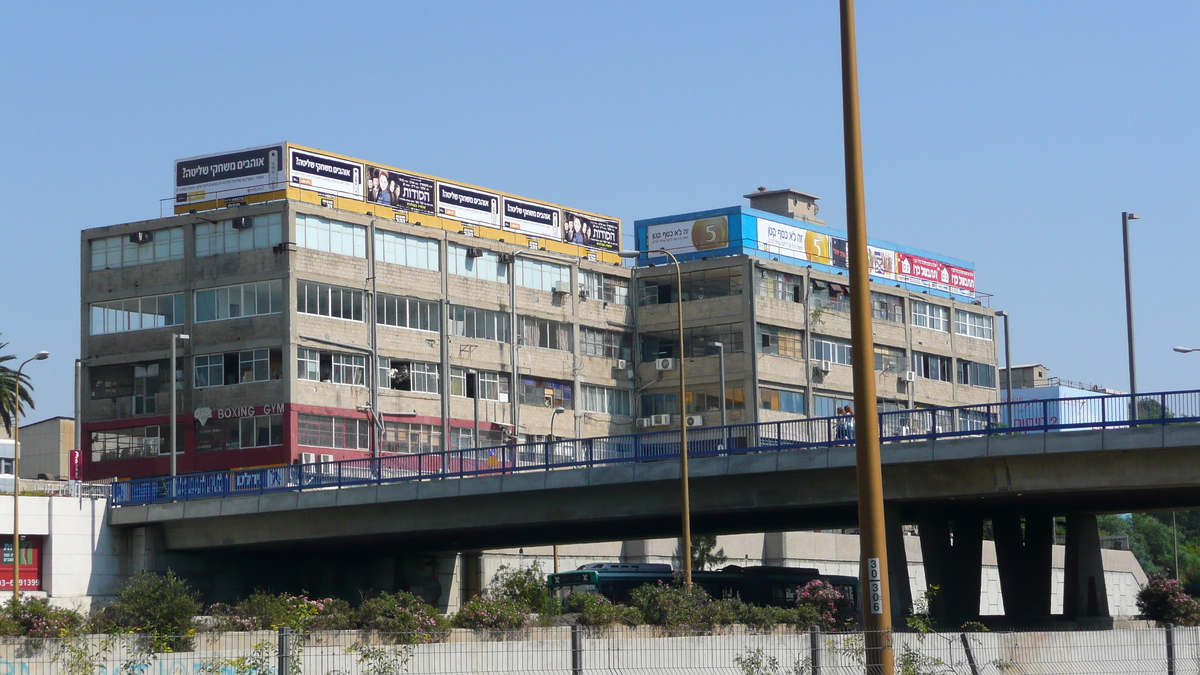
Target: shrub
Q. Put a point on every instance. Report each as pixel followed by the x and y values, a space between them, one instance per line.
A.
pixel 597 611
pixel 163 607
pixel 403 615
pixel 525 586
pixel 36 617
pixel 266 611
pixel 833 611
pixel 1164 600
pixel 673 607
pixel 487 613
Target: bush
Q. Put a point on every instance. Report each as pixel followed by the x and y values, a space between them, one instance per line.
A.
pixel 161 606
pixel 525 586
pixel 403 615
pixel 265 611
pixel 1163 600
pixel 766 618
pixel 830 609
pixel 487 613
pixel 36 617
pixel 673 607
pixel 597 611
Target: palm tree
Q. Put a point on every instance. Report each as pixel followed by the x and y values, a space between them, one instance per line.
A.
pixel 8 378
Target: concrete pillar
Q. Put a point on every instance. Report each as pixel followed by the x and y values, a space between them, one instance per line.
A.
pixel 143 550
pixel 1084 591
pixel 901 592
pixel 953 563
pixel 1024 556
pixel 935 553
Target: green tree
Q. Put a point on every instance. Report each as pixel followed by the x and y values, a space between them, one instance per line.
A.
pixel 8 379
pixel 1152 409
pixel 705 554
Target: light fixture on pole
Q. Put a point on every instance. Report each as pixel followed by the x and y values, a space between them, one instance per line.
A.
pixel 1187 350
pixel 683 446
pixel 720 347
pixel 1125 218
pixel 557 411
pixel 16 424
pixel 174 412
pixel 1008 374
pixel 474 385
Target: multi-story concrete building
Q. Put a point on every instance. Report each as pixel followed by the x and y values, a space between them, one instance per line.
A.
pixel 331 321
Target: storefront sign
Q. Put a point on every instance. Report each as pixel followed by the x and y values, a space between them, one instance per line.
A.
pixel 203 415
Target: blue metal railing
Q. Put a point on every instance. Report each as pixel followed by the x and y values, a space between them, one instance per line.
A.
pixel 1088 412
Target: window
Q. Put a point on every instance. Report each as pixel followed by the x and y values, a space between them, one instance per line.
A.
pixel 973 420
pixel 252 365
pixel 544 333
pixel 129 443
pixel 221 237
pixel 607 344
pixel 490 385
pixel 973 325
pixel 779 285
pixel 698 285
pixel 890 359
pixel 709 400
pixel 395 310
pixel 350 369
pixel 484 324
pixel 308 364
pixel 409 438
pixel 402 249
pixel 326 300
pixel 830 295
pixel 115 252
pixel 335 367
pixel 831 349
pixel 887 307
pixel 209 370
pixel 410 376
pixel 462 438
pixel 603 287
pixel 659 404
pixel 259 431
pixel 931 366
pixel 541 275
pixel 486 267
pixel 696 342
pixel 230 302
pixel 827 406
pixel 933 317
pixel 330 236
pixel 119 316
pixel 322 431
pixel 546 393
pixel 976 374
pixel 781 400
pixel 145 387
pixel 605 400
pixel 780 341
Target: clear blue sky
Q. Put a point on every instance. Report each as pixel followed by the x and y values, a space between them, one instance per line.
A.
pixel 1008 134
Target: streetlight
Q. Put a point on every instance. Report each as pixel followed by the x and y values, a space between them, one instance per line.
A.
pixel 1187 350
pixel 720 347
pixel 474 382
pixel 1125 218
pixel 557 411
pixel 40 356
pixel 174 415
pixel 683 447
pixel 1007 364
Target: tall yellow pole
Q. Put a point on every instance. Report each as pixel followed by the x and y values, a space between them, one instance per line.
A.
pixel 683 444
pixel 877 617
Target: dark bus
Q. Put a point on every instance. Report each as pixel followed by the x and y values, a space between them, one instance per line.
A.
pixel 755 585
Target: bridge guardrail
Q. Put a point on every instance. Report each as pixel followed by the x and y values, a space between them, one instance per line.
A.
pixel 1016 417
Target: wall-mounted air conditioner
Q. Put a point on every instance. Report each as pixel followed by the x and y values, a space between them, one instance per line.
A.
pixel 664 364
pixel 643 422
pixel 506 258
pixel 695 420
pixel 822 367
pixel 326 458
pixel 561 286
pixel 242 223
pixel 474 252
pixel 583 294
pixel 621 364
pixel 307 458
pixel 909 376
pixel 660 420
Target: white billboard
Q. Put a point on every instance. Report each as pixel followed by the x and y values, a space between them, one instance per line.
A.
pixel 468 205
pixel 229 174
pixel 325 174
pixel 689 236
pixel 532 219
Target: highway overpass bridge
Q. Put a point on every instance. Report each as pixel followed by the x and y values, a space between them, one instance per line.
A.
pixel 944 470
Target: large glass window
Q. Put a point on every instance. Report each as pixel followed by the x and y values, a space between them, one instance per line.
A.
pixel 973 325
pixel 321 431
pixel 485 266
pixel 119 316
pixel 404 375
pixel 350 369
pixel 536 332
pixel 697 342
pixel 491 386
pixel 830 295
pixel 546 393
pixel 403 249
pixel 251 365
pixel 130 443
pixel 258 431
pixel 254 232
pixel 698 285
pixel 115 252
pixel 335 367
pixel 779 285
pixel 781 341
pixel 827 406
pixel 230 302
pixel 932 366
pixel 330 236
pixel 395 310
pixel 603 287
pixel 976 374
pixel 607 344
pixel 781 400
pixel 326 300
pixel 831 349
pixel 542 275
pixel 709 399
pixel 410 438
pixel 659 404
pixel 890 359
pixel 483 324
pixel 928 315
pixel 887 307
pixel 605 400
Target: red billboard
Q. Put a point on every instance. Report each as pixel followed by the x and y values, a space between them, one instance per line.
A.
pixel 31 563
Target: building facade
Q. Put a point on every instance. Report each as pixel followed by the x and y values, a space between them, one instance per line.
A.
pixel 325 325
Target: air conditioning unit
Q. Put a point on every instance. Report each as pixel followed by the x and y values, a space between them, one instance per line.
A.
pixel 474 252
pixel 307 458
pixel 620 364
pixel 561 286
pixel 583 295
pixel 664 364
pixel 825 366
pixel 506 258
pixel 660 420
pixel 909 376
pixel 643 422
pixel 326 458
pixel 243 223
pixel 141 237
pixel 695 420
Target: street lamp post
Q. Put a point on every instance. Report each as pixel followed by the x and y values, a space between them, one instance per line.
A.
pixel 683 446
pixel 1187 350
pixel 1125 218
pixel 721 364
pixel 174 412
pixel 1007 365
pixel 557 411
pixel 16 422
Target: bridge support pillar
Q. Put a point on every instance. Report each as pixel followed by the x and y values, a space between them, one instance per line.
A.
pixel 1024 557
pixel 898 582
pixel 1084 592
pixel 143 551
pixel 953 559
